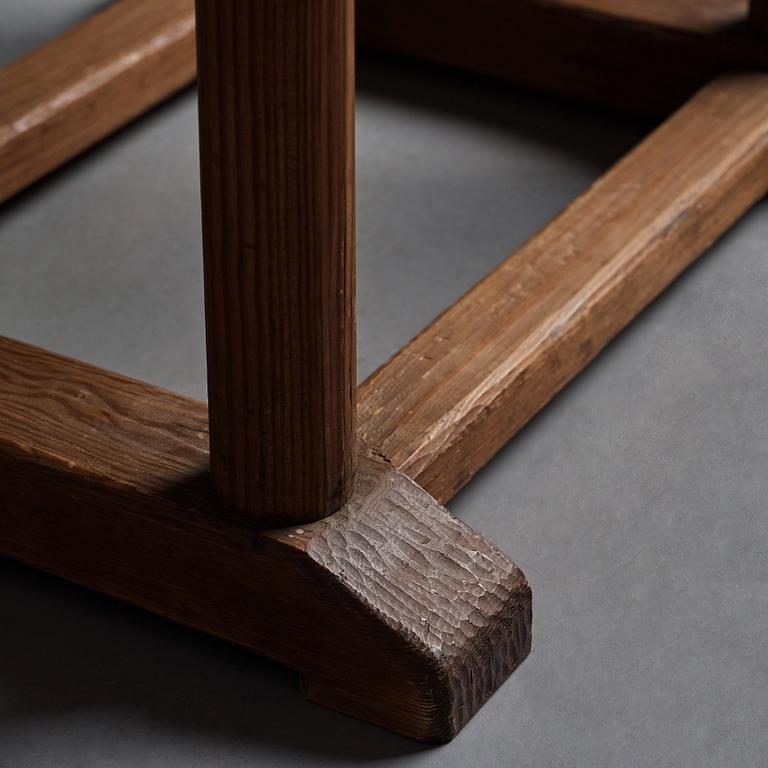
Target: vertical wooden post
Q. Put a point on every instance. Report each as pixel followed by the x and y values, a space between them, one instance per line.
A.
pixel 276 90
pixel 758 16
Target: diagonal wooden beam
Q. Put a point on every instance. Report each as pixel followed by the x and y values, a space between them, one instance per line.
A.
pixel 65 96
pixel 391 609
pixel 641 56
pixel 443 406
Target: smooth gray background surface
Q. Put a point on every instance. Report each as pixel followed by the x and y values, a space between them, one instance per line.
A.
pixel 635 503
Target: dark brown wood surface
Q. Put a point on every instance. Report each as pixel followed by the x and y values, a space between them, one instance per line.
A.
pixel 65 96
pixel 450 399
pixel 682 15
pixel 758 17
pixel 391 609
pixel 276 104
pixel 644 56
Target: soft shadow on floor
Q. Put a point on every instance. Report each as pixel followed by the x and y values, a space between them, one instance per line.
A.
pixel 562 126
pixel 65 650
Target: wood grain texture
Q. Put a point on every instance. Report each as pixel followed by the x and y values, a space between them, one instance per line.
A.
pixel 276 105
pixel 449 400
pixel 65 96
pixel 391 609
pixel 641 56
pixel 644 56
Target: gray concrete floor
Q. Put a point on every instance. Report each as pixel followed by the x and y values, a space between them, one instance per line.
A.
pixel 635 502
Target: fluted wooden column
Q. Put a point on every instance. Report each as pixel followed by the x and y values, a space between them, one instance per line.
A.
pixel 276 85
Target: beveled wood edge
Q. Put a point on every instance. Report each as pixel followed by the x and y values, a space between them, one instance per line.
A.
pixel 471 613
pixel 392 609
pixel 443 405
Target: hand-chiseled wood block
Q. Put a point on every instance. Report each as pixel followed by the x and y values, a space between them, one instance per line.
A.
pixel 461 604
pixel 391 609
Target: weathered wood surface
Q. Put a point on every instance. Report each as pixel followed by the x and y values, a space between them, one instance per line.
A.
pixel 391 609
pixel 65 96
pixel 276 84
pixel 441 407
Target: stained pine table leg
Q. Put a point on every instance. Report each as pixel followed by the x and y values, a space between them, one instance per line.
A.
pixel 276 84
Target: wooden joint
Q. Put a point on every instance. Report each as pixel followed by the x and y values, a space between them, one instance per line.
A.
pixel 391 609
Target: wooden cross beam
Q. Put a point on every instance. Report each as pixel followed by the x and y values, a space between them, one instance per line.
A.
pixel 645 56
pixel 65 96
pixel 390 608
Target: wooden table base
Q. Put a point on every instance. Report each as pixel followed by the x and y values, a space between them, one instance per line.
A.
pixel 391 609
